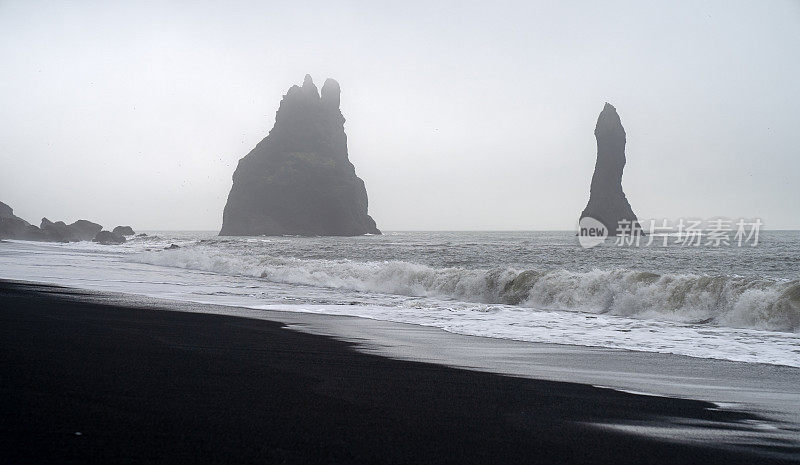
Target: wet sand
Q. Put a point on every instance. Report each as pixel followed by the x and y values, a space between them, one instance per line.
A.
pixel 87 379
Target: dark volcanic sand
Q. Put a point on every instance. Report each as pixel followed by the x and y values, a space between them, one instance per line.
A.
pixel 143 385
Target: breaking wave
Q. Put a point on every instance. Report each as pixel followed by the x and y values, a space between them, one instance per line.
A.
pixel 734 301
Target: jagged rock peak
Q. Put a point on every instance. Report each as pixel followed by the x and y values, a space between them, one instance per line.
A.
pixel 309 87
pixel 299 179
pixel 331 93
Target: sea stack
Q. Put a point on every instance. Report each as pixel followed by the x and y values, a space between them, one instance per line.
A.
pixel 607 202
pixel 299 180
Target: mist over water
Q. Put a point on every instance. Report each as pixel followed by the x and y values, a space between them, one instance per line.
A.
pixel 460 115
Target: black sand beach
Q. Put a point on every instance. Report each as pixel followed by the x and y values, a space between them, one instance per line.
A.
pixel 86 382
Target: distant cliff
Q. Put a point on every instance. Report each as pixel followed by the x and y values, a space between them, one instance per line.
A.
pixel 299 180
pixel 607 201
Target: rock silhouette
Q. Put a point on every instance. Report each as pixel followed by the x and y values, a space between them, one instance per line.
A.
pixel 83 230
pixel 13 227
pixel 58 231
pixel 299 180
pixel 108 238
pixel 607 201
pixel 124 230
pixel 6 211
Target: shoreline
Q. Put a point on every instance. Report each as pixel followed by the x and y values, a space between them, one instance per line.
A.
pixel 119 271
pixel 746 385
pixel 762 388
pixel 153 384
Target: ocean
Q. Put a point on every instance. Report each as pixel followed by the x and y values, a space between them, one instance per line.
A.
pixel 728 302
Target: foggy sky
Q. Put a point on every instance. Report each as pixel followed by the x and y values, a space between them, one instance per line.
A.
pixel 460 115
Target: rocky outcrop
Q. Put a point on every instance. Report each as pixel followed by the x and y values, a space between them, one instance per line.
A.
pixel 13 227
pixel 299 180
pixel 109 237
pixel 124 230
pixel 57 232
pixel 84 230
pixel 607 201
pixel 6 211
pixel 81 230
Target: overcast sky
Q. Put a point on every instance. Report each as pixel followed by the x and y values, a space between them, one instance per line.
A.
pixel 462 115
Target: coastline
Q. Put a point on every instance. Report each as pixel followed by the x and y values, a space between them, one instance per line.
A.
pixel 219 273
pixel 143 383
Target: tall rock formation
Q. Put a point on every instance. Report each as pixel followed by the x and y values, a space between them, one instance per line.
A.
pixel 607 202
pixel 299 180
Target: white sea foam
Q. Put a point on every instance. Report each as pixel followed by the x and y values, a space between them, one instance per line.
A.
pixel 592 308
pixel 743 302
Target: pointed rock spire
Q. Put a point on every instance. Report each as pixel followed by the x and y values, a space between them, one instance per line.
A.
pixel 331 93
pixel 607 201
pixel 309 87
pixel 609 126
